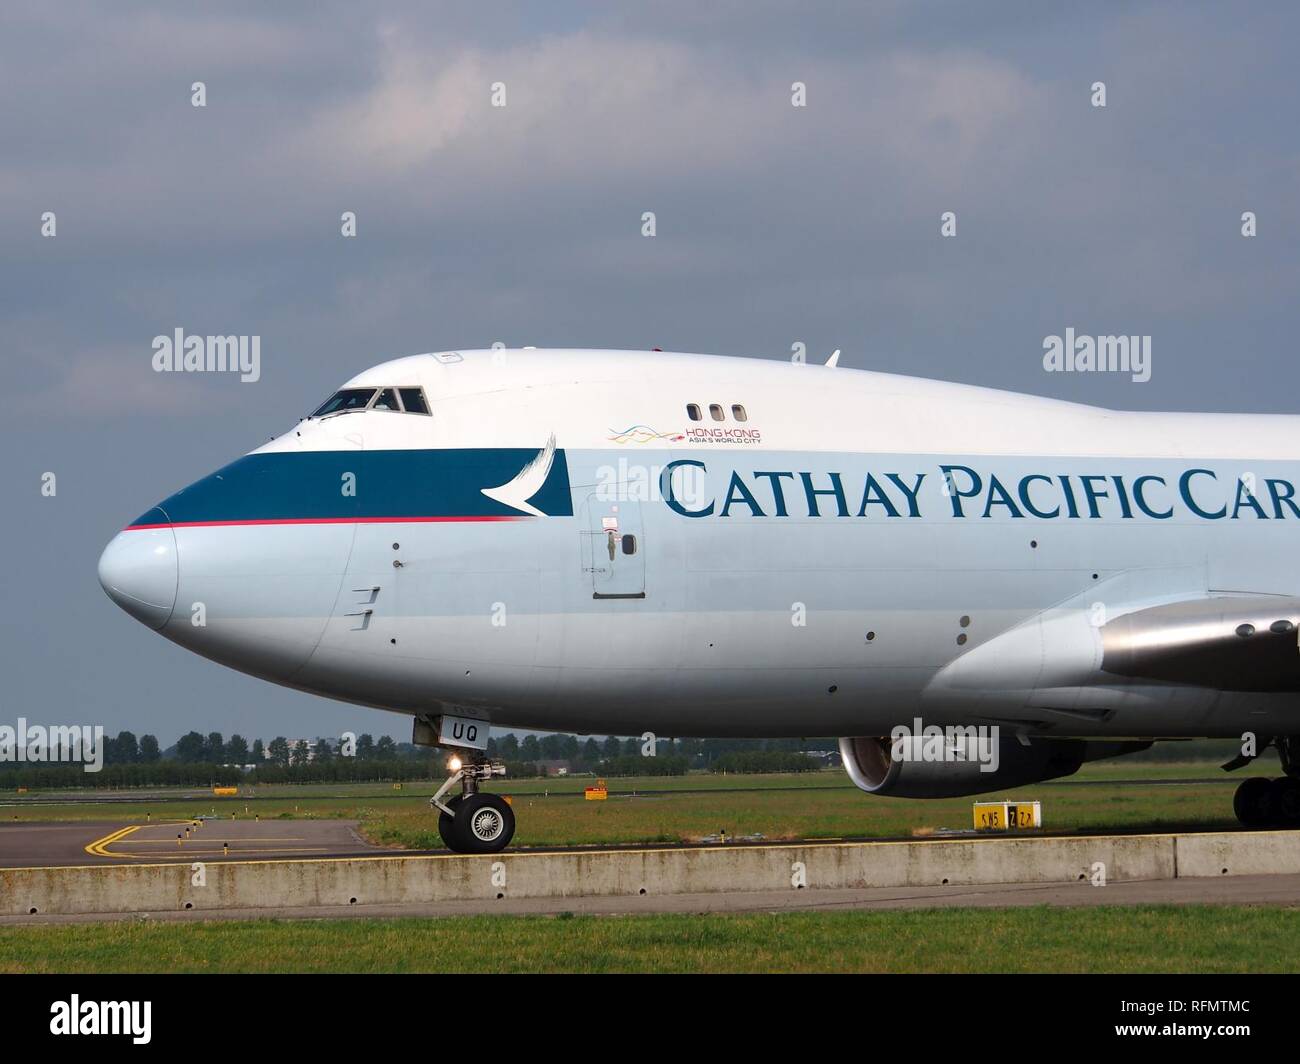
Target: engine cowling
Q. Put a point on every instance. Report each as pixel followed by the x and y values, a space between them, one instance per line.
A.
pixel 968 768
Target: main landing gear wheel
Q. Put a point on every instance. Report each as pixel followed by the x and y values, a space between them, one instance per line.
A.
pixel 1286 800
pixel 1253 802
pixel 1265 803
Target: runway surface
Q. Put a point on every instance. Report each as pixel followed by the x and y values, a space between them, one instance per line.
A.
pixel 52 844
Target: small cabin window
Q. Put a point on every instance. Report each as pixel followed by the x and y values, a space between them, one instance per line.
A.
pixel 413 400
pixel 738 412
pixel 629 544
pixel 386 400
pixel 715 412
pixel 693 411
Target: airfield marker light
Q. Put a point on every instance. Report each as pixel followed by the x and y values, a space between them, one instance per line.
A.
pixel 225 848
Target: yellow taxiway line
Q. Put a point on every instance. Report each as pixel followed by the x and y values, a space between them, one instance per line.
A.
pixel 99 848
pixel 96 848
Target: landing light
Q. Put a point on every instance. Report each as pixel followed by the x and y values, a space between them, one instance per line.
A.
pixel 454 764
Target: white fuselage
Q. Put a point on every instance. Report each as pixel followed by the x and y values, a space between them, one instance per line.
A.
pixel 557 544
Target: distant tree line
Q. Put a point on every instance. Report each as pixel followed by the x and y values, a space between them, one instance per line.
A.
pixel 699 753
pixel 636 765
pixel 198 760
pixel 111 777
pixel 753 761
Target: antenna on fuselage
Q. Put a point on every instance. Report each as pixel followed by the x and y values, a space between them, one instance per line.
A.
pixel 834 360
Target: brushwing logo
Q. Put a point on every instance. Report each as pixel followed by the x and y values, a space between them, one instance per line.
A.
pixel 516 492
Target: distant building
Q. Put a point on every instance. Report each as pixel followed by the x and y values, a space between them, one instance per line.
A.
pixel 311 749
pixel 555 768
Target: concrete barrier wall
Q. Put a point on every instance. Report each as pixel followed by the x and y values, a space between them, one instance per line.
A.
pixel 1258 853
pixel 395 879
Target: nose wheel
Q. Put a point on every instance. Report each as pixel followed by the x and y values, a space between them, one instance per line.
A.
pixel 484 823
pixel 473 822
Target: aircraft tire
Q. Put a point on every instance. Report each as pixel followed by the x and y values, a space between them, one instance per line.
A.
pixel 485 823
pixel 1253 802
pixel 447 825
pixel 1286 801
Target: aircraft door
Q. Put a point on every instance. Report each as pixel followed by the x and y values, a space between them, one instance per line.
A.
pixel 613 551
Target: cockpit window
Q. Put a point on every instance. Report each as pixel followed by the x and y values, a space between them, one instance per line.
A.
pixel 356 399
pixel 347 399
pixel 413 400
pixel 386 400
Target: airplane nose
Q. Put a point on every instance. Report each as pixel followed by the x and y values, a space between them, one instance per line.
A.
pixel 139 570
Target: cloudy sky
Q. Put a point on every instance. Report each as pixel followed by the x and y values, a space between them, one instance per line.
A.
pixel 775 225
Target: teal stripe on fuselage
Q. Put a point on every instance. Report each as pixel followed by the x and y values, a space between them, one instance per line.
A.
pixel 363 485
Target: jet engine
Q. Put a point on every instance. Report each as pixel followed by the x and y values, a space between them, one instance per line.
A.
pixel 915 767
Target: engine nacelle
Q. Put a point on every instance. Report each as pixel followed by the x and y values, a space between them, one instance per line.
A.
pixel 969 765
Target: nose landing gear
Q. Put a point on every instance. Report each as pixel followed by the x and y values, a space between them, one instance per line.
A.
pixel 473 822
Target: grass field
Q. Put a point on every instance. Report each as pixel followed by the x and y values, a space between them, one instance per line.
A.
pixel 1150 939
pixel 1101 797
